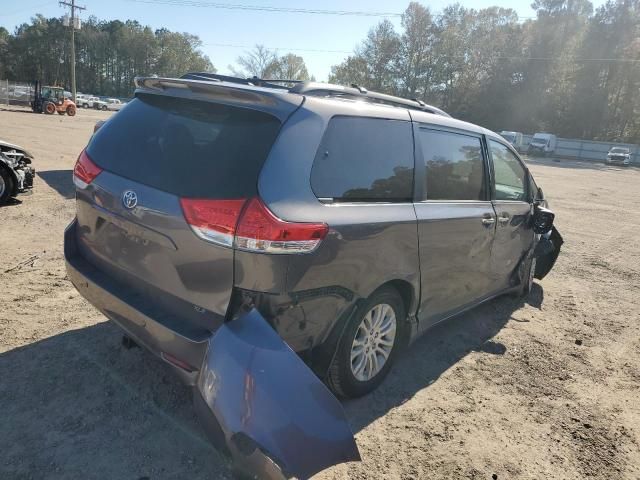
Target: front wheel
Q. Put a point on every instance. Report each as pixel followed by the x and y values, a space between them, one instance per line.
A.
pixel 104 107
pixel 527 278
pixel 369 345
pixel 6 185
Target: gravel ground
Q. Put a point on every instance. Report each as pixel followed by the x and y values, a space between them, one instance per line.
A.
pixel 543 389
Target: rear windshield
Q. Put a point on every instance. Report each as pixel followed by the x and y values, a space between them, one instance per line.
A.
pixel 185 147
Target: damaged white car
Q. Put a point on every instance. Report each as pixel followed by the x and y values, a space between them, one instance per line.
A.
pixel 16 171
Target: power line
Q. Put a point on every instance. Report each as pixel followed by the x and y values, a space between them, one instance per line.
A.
pixel 315 50
pixel 272 9
pixel 265 8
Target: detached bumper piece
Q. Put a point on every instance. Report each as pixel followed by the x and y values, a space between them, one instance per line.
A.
pixel 265 408
pixel 547 252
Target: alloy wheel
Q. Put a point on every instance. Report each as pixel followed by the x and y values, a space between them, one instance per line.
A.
pixel 373 342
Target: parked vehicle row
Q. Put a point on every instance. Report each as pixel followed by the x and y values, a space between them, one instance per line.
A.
pixel 350 224
pixel 88 101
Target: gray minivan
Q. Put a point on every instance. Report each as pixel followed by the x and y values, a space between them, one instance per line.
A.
pixel 225 224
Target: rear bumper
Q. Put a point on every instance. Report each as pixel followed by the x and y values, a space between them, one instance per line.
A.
pixel 160 334
pixel 258 402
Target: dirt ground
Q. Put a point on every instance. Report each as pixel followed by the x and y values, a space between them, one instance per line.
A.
pixel 544 389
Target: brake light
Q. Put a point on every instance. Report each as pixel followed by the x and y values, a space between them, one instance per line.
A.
pixel 249 225
pixel 213 220
pixel 259 230
pixel 85 171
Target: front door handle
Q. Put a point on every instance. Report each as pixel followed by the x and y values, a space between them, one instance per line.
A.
pixel 504 218
pixel 488 221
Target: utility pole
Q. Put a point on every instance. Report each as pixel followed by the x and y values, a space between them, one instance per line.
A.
pixel 73 7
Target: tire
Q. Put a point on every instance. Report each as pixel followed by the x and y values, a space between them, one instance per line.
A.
pixel 527 278
pixel 6 185
pixel 71 110
pixel 341 378
pixel 49 108
pixel 103 107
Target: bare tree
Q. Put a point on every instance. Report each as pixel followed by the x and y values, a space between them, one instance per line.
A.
pixel 256 63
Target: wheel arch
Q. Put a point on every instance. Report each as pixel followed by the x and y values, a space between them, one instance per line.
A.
pixel 12 175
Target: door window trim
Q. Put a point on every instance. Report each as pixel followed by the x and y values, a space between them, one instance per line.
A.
pixel 492 186
pixel 420 169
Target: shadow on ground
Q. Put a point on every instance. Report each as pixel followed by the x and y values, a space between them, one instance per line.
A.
pixel 60 180
pixel 11 202
pixel 439 349
pixel 80 405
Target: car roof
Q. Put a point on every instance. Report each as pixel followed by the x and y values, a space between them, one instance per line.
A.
pixel 355 100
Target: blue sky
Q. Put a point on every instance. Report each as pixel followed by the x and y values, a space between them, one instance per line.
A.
pixel 227 33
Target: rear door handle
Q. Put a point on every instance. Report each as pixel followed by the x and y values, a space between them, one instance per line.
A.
pixel 488 221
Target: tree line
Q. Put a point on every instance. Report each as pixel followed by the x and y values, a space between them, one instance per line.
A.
pixel 570 70
pixel 109 54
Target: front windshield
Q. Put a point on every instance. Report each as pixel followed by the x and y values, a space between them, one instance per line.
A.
pixel 539 140
pixel 619 150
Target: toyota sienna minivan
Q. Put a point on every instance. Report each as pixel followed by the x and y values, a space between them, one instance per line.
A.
pixel 225 224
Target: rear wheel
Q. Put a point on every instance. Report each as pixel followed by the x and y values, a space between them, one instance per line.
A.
pixel 71 110
pixel 6 185
pixel 369 345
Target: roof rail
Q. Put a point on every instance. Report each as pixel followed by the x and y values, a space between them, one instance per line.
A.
pixel 322 90
pixel 361 93
pixel 255 81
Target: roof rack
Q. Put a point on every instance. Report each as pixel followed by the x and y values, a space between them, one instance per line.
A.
pixel 355 92
pixel 255 81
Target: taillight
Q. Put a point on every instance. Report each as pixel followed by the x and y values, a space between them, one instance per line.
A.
pixel 85 171
pixel 259 230
pixel 250 226
pixel 213 220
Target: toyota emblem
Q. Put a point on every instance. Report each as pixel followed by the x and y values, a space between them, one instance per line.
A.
pixel 129 199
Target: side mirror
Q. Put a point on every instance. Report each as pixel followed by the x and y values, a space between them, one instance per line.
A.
pixel 542 219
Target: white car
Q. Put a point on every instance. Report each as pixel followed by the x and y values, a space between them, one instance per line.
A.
pixel 93 102
pixel 619 155
pixel 114 104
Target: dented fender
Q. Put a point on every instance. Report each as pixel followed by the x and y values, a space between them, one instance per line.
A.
pixel 265 408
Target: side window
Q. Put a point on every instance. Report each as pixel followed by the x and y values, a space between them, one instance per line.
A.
pixel 364 159
pixel 510 176
pixel 454 165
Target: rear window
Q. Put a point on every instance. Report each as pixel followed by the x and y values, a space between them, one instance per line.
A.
pixel 185 147
pixel 363 160
pixel 454 165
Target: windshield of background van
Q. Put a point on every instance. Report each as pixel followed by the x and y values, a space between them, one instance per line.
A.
pixel 188 148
